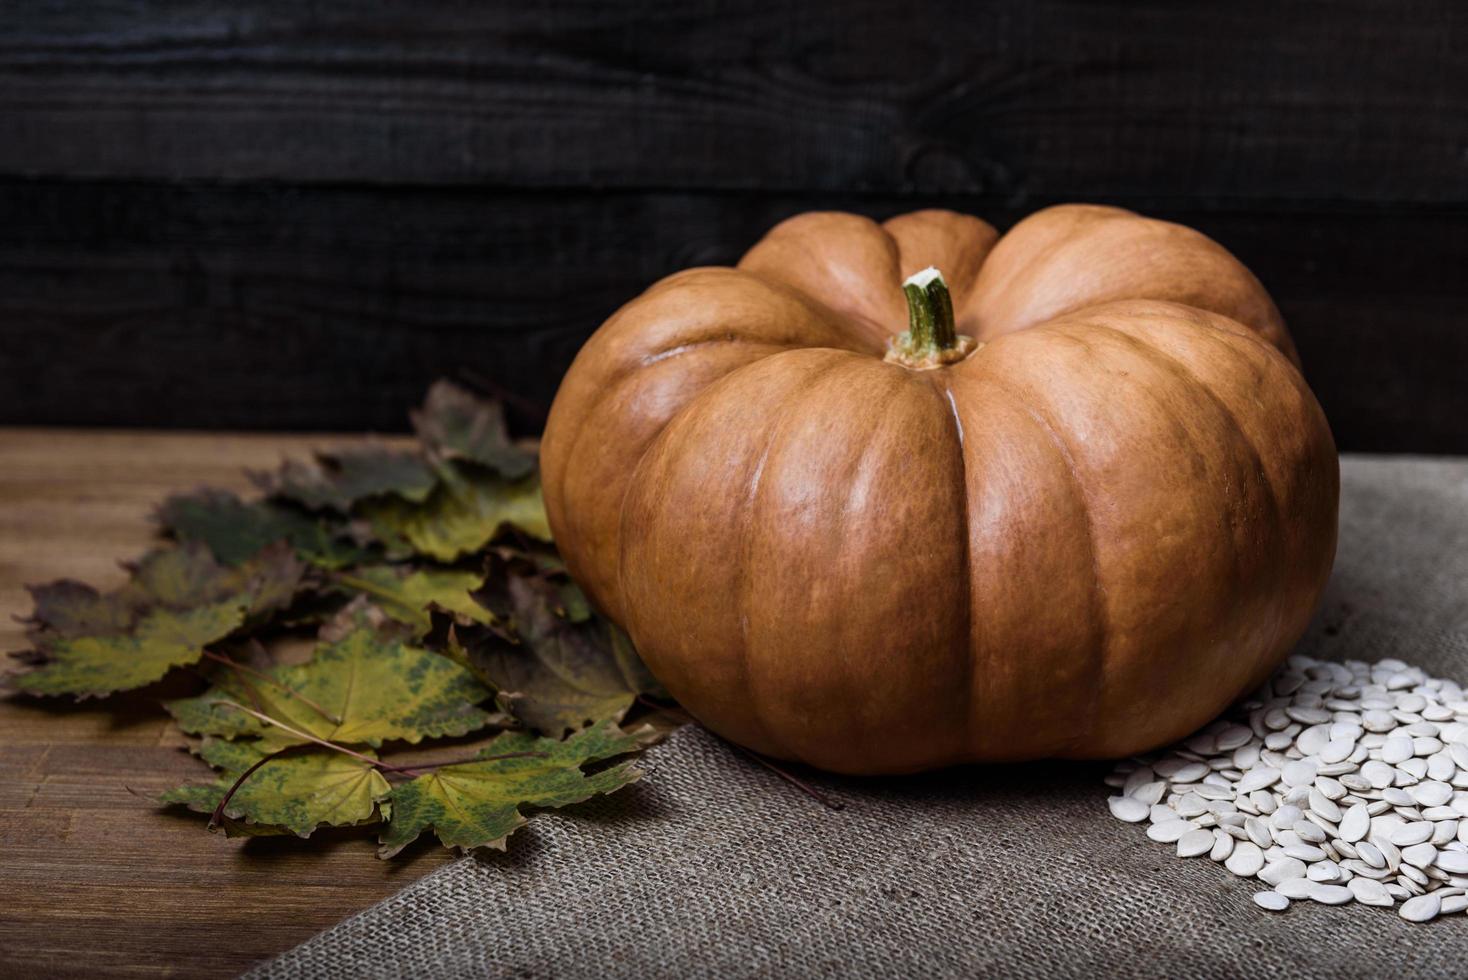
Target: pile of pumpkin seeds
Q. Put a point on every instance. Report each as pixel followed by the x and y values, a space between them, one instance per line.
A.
pixel 1336 782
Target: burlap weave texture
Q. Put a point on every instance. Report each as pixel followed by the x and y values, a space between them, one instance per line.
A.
pixel 712 867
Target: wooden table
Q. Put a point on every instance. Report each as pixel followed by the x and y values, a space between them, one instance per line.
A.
pixel 96 878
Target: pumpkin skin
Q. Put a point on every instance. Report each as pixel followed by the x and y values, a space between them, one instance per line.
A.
pixel 1083 540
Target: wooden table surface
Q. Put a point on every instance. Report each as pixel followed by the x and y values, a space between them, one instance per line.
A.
pixel 97 879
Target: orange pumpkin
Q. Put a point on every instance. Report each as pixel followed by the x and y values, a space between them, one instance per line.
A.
pixel 1079 505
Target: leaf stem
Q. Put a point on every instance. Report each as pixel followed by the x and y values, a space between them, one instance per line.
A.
pixel 377 763
pixel 289 691
pixel 312 738
pixel 218 814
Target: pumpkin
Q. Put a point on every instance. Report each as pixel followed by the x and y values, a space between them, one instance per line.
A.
pixel 1066 496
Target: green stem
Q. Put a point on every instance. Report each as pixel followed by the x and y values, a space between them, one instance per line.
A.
pixel 930 327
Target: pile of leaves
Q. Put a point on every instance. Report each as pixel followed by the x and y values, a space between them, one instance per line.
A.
pixel 371 601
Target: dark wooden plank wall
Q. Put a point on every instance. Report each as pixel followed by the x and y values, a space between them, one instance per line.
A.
pixel 295 215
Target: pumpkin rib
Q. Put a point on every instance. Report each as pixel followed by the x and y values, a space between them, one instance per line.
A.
pixel 1222 323
pixel 795 234
pixel 628 369
pixel 1269 353
pixel 745 582
pixel 1099 611
pixel 743 600
pixel 634 373
pixel 1226 410
pixel 1173 366
pixel 773 436
pixel 1185 266
pixel 966 563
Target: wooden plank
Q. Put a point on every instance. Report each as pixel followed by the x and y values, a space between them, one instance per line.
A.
pixel 335 307
pixel 1019 99
pixel 99 881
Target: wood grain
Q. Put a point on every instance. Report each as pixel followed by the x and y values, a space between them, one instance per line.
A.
pixel 99 881
pixel 335 307
pixel 263 215
pixel 1018 99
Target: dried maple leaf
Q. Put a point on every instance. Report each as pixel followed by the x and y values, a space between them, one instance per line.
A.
pixel 95 666
pixel 188 576
pixel 339 479
pixel 69 608
pixel 294 792
pixel 555 665
pixel 369 687
pixel 178 601
pixel 468 509
pixel 477 804
pixel 235 530
pixel 456 424
pixel 407 595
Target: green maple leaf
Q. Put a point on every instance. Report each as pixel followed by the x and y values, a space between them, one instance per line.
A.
pixel 236 531
pixel 407 595
pixel 477 804
pixel 294 792
pixel 339 479
pixel 95 666
pixel 555 664
pixel 367 688
pixel 455 424
pixel 467 510
pixel 178 601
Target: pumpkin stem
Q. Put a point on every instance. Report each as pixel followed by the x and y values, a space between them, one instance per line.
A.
pixel 931 339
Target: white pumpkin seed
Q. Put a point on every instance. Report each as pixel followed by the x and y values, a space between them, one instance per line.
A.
pixel 1194 843
pixel 1170 832
pixel 1295 888
pixel 1273 901
pixel 1281 870
pixel 1324 806
pixel 1432 793
pixel 1378 773
pixel 1258 832
pixel 1371 854
pixel 1419 855
pixel 1300 772
pixel 1191 805
pixel 1355 822
pixel 1420 908
pixel 1246 860
pixel 1453 862
pixel 1370 892
pixel 1190 773
pixel 1308 832
pixel 1411 833
pixel 1256 779
pixel 1305 852
pixel 1128 808
pixel 1337 781
pixel 1330 894
pixel 1397 749
pixel 1326 871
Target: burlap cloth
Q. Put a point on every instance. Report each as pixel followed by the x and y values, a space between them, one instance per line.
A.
pixel 713 867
